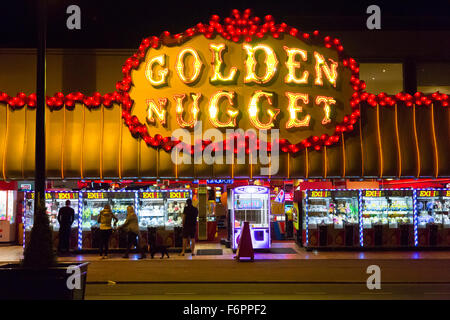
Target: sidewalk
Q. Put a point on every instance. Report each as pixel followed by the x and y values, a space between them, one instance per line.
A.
pixel 299 267
pixel 15 253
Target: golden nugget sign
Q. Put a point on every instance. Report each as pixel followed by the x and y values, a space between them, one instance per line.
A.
pixel 263 81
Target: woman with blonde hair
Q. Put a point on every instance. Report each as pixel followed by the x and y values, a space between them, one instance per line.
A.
pixel 131 227
pixel 105 218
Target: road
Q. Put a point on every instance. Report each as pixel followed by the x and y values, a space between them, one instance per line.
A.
pixel 268 279
pixel 270 291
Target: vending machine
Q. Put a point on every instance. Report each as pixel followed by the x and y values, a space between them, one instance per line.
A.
pixel 54 200
pixel 433 220
pixel 388 217
pixel 252 204
pixel 331 218
pixel 7 215
pixel 93 203
pixel 151 209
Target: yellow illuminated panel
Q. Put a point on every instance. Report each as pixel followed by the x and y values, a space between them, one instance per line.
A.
pixel 271 63
pixel 197 65
pixel 156 109
pixel 194 109
pixel 214 110
pixel 327 102
pixel 293 108
pixel 162 74
pixel 253 110
pixel 217 63
pixel 330 72
pixel 292 65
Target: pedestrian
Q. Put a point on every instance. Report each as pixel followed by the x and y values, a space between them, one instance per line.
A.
pixel 190 214
pixel 104 218
pixel 131 228
pixel 66 216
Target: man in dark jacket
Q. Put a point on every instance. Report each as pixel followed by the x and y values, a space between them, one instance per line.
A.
pixel 189 226
pixel 66 216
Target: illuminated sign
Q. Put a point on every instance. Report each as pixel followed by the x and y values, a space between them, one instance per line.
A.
pixel 95 195
pixel 373 193
pixel 280 196
pixel 320 194
pixel 428 193
pixel 179 194
pixel 47 195
pixel 289 196
pixel 248 204
pixel 152 195
pixel 301 87
pixel 66 195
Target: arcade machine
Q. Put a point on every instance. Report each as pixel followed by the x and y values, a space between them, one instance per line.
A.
pixel 433 209
pixel 151 209
pixel 93 203
pixel 331 218
pixel 54 200
pixel 289 213
pixel 8 215
pixel 388 217
pixel 175 203
pixel 151 212
pixel 252 204
pixel 277 215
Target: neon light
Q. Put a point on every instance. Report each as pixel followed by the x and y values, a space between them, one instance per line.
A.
pixel 330 73
pixel 157 109
pixel 162 74
pixel 291 64
pixel 415 219
pixel 253 110
pixel 180 65
pixel 80 220
pixel 271 62
pixel 214 110
pixel 293 108
pixel 361 226
pixel 327 102
pixel 218 65
pixel 194 109
pixel 306 219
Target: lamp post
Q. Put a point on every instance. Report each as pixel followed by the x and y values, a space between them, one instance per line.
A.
pixel 39 170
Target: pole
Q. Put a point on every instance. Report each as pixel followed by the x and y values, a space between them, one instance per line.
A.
pixel 41 104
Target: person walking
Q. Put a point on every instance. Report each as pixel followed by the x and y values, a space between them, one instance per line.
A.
pixel 105 218
pixel 131 227
pixel 190 214
pixel 66 216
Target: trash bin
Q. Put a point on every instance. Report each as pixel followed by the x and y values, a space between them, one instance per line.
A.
pixel 378 234
pixel 323 235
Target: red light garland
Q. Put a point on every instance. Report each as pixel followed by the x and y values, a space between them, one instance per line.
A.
pixel 238 27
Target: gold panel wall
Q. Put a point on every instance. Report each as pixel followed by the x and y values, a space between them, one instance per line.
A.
pixel 395 141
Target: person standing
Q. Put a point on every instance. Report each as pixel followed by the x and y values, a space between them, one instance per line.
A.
pixel 131 227
pixel 66 216
pixel 190 214
pixel 105 218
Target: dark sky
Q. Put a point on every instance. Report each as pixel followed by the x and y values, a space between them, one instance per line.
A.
pixel 122 24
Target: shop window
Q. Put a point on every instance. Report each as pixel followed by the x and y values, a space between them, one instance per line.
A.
pixel 432 77
pixel 382 77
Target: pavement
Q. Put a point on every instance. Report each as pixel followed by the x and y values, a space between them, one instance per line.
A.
pixel 298 275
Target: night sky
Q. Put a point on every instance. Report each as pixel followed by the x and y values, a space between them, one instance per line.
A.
pixel 123 24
